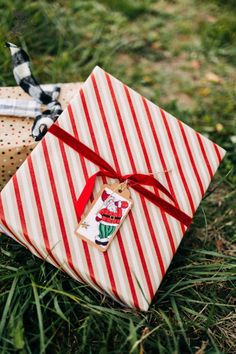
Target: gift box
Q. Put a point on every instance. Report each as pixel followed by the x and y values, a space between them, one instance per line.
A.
pixel 109 133
pixel 15 140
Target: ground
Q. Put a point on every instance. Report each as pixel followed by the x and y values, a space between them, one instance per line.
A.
pixel 181 55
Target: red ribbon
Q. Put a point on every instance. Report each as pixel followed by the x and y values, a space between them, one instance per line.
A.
pixel 135 180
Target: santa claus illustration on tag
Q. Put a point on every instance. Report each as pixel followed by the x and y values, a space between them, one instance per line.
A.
pixel 109 217
pixel 105 216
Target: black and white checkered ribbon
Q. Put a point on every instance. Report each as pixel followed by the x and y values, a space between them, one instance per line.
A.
pixel 25 79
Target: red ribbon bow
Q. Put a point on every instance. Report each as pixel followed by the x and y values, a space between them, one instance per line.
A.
pixel 135 180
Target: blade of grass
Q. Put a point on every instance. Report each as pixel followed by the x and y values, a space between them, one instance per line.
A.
pixel 7 306
pixel 176 311
pixel 40 318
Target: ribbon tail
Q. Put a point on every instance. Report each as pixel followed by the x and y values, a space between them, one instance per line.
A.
pixel 159 186
pixel 149 180
pixel 163 204
pixel 84 196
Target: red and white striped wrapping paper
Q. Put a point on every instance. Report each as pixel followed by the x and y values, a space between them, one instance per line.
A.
pixel 37 206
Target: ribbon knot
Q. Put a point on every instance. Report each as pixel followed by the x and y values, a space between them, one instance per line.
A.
pixel 134 180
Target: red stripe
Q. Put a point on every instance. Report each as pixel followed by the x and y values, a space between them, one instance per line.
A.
pixel 105 123
pixel 178 161
pixel 191 158
pixel 160 154
pixel 204 154
pixel 22 215
pixel 40 211
pixel 165 220
pixel 217 153
pixel 73 195
pixel 149 222
pixel 136 237
pixel 89 261
pixel 58 208
pixel 3 220
pixel 124 257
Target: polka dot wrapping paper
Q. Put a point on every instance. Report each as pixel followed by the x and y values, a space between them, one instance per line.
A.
pixel 130 136
pixel 15 140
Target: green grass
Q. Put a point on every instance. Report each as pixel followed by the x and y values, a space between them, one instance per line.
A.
pixel 168 51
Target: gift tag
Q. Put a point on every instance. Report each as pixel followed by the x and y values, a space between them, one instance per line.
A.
pixel 106 214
